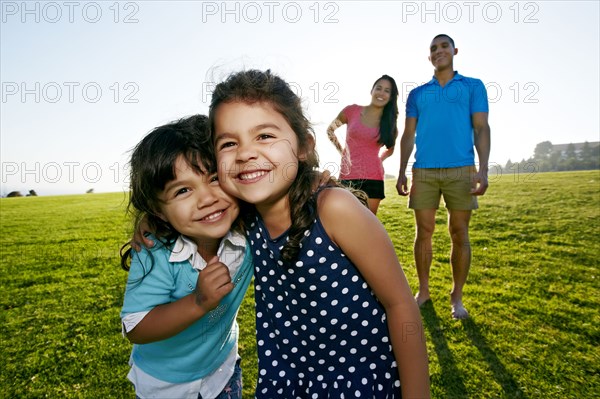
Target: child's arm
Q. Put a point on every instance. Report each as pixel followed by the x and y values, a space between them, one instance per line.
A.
pixel 169 319
pixel 366 243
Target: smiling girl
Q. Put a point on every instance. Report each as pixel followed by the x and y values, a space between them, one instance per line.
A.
pixel 335 316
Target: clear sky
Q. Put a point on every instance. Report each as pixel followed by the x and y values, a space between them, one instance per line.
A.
pixel 83 82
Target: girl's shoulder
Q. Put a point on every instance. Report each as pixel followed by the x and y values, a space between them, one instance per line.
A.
pixel 160 247
pixel 337 201
pixel 338 208
pixel 150 261
pixel 159 253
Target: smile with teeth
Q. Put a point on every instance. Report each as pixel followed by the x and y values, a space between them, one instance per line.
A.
pixel 252 175
pixel 212 216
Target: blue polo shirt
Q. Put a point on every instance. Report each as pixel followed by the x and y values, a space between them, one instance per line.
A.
pixel 444 136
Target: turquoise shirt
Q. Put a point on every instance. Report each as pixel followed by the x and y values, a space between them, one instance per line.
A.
pixel 444 136
pixel 202 347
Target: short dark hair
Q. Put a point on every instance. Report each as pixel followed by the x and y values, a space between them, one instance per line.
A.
pixel 445 35
pixel 152 166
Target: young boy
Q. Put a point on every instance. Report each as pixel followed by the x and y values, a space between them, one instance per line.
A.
pixel 183 294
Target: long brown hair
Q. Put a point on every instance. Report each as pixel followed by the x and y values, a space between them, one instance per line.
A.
pixel 388 125
pixel 254 86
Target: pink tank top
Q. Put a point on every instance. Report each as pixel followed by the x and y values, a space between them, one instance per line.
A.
pixel 362 148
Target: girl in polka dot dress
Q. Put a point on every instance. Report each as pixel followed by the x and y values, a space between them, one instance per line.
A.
pixel 335 316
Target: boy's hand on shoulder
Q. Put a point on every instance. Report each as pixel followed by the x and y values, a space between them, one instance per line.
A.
pixel 214 283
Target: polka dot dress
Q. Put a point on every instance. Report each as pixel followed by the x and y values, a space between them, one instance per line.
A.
pixel 320 331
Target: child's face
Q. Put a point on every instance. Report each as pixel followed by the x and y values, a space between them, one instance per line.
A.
pixel 257 152
pixel 196 206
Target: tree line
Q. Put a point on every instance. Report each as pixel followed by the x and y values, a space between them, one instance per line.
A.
pixel 555 158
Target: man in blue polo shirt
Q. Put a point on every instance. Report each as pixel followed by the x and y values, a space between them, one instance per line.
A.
pixel 447 118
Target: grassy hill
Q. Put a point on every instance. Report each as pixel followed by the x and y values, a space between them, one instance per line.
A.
pixel 533 294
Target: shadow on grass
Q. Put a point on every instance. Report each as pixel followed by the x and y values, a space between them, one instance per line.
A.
pixel 451 377
pixel 501 374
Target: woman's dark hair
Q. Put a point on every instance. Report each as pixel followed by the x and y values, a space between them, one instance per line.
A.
pixel 388 125
pixel 253 86
pixel 152 166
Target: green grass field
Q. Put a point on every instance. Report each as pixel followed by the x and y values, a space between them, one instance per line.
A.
pixel 533 294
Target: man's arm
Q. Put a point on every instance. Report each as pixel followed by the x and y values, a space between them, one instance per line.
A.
pixel 407 142
pixel 481 128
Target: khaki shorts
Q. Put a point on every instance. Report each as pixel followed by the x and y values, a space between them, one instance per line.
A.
pixel 454 184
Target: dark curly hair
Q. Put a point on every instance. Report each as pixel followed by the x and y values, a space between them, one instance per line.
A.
pixel 152 166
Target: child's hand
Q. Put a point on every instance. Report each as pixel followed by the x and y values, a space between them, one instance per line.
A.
pixel 214 282
pixel 323 179
pixel 139 238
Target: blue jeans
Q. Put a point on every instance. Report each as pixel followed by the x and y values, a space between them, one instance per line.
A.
pixel 233 389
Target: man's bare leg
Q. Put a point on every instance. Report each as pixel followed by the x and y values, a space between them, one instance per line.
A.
pixel 423 253
pixel 460 259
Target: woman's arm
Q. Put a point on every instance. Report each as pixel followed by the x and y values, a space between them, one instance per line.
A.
pixel 337 122
pixel 386 154
pixel 365 241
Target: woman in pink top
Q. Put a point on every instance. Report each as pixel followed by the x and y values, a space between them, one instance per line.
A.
pixel 369 128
